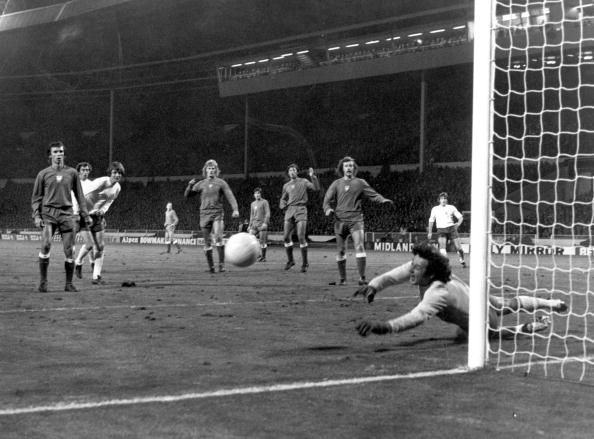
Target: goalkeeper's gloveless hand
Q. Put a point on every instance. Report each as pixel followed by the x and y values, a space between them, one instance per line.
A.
pixel 367 292
pixel 366 327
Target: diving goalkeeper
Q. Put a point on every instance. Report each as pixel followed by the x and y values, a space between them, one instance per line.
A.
pixel 446 296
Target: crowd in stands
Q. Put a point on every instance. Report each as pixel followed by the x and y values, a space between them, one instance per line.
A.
pixel 141 206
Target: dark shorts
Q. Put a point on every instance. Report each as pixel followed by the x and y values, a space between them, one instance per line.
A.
pixel 62 220
pixel 296 214
pixel 99 223
pixel 345 228
pixel 257 227
pixel 207 218
pixel 448 233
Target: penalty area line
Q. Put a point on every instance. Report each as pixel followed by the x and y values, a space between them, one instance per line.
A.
pixel 253 390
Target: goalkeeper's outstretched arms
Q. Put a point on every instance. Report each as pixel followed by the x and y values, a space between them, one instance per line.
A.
pixel 395 276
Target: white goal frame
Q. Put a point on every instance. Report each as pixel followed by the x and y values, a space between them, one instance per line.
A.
pixel 480 181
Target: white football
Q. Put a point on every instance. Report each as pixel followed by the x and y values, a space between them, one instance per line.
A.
pixel 242 249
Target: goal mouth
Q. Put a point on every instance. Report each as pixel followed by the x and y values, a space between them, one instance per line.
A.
pixel 536 206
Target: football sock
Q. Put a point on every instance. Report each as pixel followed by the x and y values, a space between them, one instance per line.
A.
pixel 98 266
pixel 304 255
pixel 221 252
pixel 342 269
pixel 289 250
pixel 177 245
pixel 263 251
pixel 461 253
pixel 361 259
pixel 209 258
pixel 43 264
pixel 69 267
pixel 168 248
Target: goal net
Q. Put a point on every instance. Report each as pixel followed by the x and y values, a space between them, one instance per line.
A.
pixel 540 209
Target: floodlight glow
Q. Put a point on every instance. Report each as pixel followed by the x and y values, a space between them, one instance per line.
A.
pixel 264 60
pixel 352 45
pixel 588 57
pixel 302 52
pixel 287 54
pixel 436 31
pixel 395 38
pixel 462 26
pixel 250 63
pixel 415 35
pixel 276 58
pixel 236 65
pixel 372 42
pixel 334 48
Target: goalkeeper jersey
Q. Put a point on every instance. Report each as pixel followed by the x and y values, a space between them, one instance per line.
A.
pixel 448 301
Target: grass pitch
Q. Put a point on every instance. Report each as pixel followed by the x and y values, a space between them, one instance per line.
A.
pixel 257 352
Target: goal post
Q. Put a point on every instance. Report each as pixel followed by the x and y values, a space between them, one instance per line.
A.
pixel 532 208
pixel 481 146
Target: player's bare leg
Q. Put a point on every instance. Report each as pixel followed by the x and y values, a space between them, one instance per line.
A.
pixel 217 230
pixel 288 231
pixel 301 229
pixel 442 243
pixel 85 250
pixel 458 246
pixel 526 303
pixel 360 255
pixel 99 257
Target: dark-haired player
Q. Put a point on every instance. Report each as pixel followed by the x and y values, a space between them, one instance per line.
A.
pixel 99 196
pixel 294 200
pixel 447 220
pixel 259 220
pixel 212 190
pixel 51 203
pixel 343 199
pixel 446 296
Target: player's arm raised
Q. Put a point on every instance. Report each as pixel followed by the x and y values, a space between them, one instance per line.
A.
pixel 190 190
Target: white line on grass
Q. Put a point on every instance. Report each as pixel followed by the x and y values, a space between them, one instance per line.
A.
pixel 188 305
pixel 65 406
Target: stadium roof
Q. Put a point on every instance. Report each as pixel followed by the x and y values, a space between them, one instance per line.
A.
pixel 50 45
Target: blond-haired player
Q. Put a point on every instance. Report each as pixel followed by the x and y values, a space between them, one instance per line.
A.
pixel 212 190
